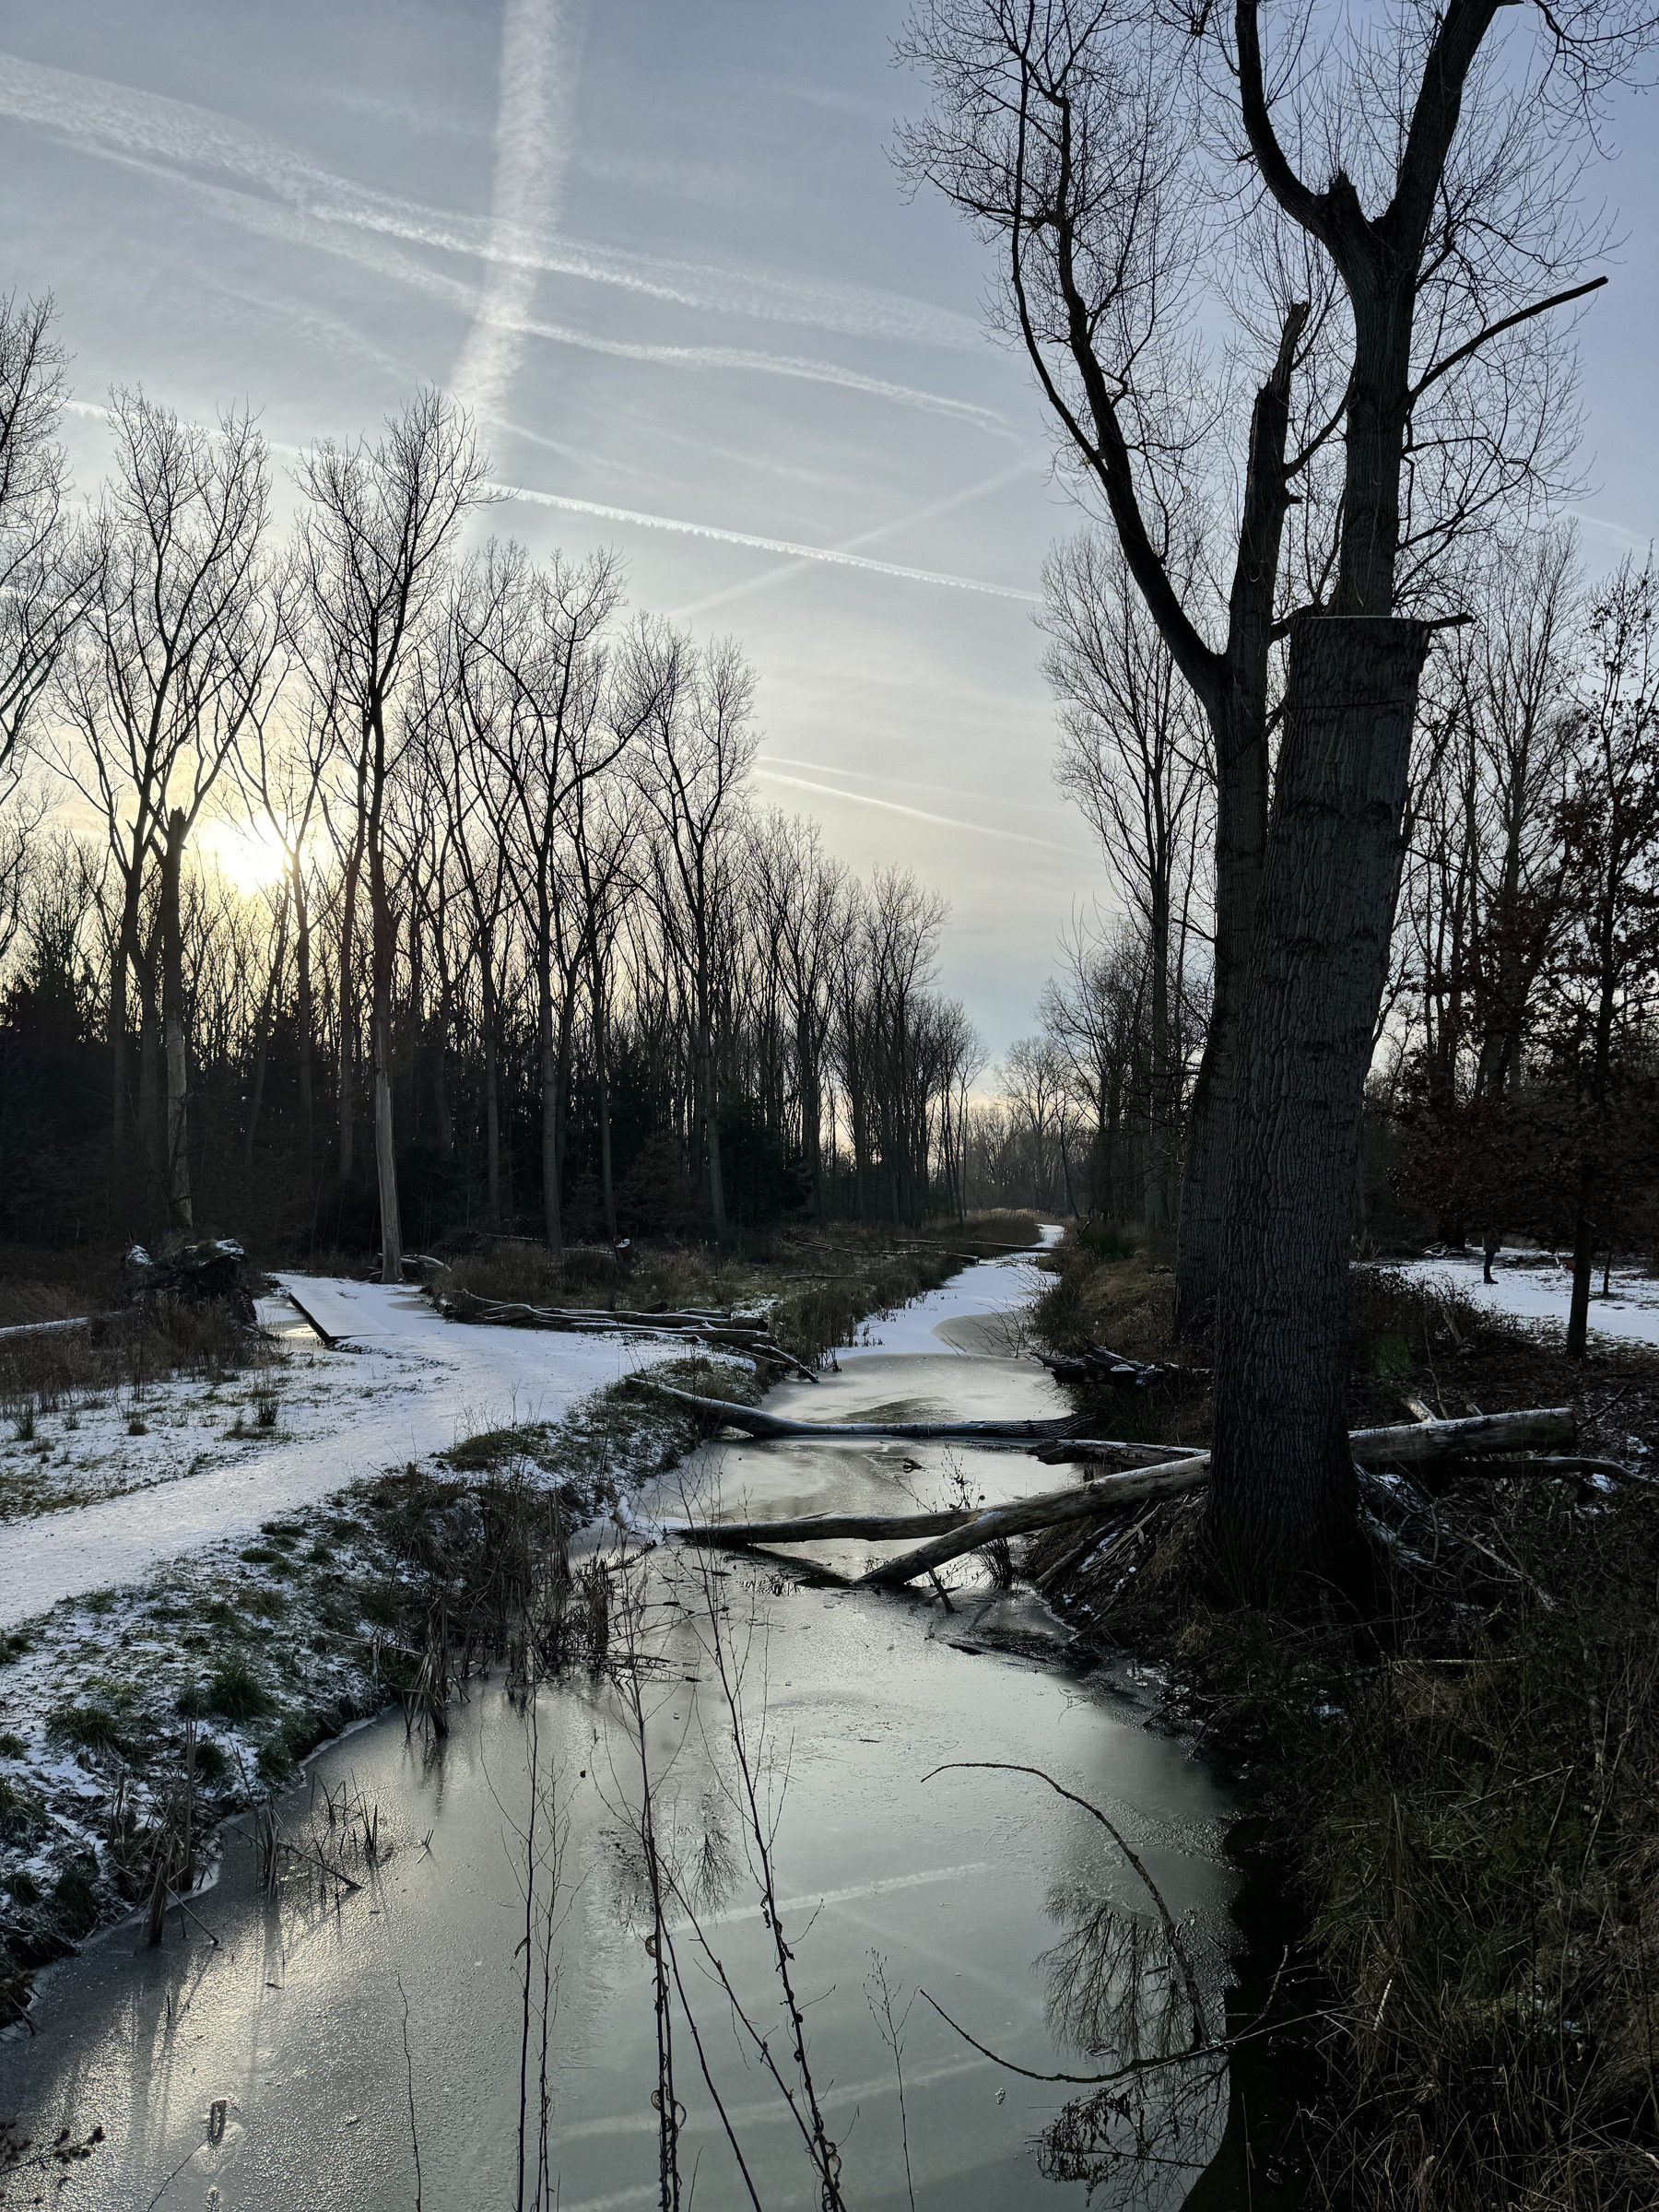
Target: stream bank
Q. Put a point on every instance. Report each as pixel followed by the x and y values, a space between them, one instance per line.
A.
pixel 1014 1910
pixel 1455 1770
pixel 233 1613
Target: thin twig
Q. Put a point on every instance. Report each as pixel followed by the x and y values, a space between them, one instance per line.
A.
pixel 1171 1933
pixel 410 2078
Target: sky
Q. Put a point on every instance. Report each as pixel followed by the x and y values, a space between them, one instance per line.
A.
pixel 660 249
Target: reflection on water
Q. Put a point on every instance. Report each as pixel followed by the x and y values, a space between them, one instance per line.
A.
pixel 1142 1993
pixel 680 1916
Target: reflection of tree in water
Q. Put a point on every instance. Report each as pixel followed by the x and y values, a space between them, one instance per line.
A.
pixel 1129 1988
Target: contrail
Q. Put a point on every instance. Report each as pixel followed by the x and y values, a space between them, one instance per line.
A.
pixel 945 821
pixel 866 538
pixel 820 767
pixel 707 530
pixel 274 221
pixel 760 545
pixel 113 120
pixel 533 139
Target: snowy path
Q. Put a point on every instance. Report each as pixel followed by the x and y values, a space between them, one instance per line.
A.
pixel 418 1384
pixel 1535 1287
pixel 422 1384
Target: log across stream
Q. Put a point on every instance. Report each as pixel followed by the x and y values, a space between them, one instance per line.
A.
pixel 976 1886
pixel 1126 1473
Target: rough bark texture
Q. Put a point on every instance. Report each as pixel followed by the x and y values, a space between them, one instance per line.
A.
pixel 1240 735
pixel 1236 704
pixel 1282 1499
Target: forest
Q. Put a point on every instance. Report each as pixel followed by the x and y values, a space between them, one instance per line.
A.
pixel 347 878
pixel 392 908
pixel 525 956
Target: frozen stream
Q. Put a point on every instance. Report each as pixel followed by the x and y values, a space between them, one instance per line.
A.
pixel 978 1887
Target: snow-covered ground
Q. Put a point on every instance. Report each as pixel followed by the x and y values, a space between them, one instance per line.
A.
pixel 1536 1287
pixel 419 1384
pixel 116 1507
pixel 994 1288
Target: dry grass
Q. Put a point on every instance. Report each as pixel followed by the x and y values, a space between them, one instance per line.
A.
pixel 129 1349
pixel 1461 1775
pixel 818 1284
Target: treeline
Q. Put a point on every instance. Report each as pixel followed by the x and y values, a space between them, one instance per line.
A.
pixel 522 953
pixel 1515 1083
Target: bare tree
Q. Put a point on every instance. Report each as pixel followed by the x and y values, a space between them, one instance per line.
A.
pixel 281 764
pixel 46 570
pixel 1133 757
pixel 379 525
pixel 175 647
pixel 694 713
pixel 1604 983
pixel 805 899
pixel 533 659
pixel 1115 161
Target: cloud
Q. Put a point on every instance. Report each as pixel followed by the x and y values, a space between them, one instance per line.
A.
pixel 760 545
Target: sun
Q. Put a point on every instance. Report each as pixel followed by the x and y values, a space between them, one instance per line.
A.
pixel 250 853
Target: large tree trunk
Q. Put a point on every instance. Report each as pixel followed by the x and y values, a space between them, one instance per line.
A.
pixel 1282 1497
pixel 175 1053
pixel 1237 717
pixel 1241 836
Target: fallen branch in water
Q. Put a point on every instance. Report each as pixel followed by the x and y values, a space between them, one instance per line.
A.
pixel 1097 1364
pixel 1420 1443
pixel 957 1530
pixel 764 1427
pixel 1423 1444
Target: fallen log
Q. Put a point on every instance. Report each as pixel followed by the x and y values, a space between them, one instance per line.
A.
pixel 764 1427
pixel 753 1338
pixel 818 1528
pixel 1411 1444
pixel 1098 1365
pixel 955 1530
pixel 1050 1509
pixel 1420 1443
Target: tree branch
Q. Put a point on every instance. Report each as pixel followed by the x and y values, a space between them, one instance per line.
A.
pixel 1522 314
pixel 1304 206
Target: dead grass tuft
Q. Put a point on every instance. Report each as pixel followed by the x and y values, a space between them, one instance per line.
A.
pixel 1460 1775
pixel 131 1349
